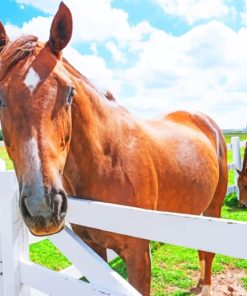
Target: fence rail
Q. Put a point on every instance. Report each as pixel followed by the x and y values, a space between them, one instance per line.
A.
pixel 197 232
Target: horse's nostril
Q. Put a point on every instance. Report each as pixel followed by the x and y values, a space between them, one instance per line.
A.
pixel 24 207
pixel 59 205
pixel 64 203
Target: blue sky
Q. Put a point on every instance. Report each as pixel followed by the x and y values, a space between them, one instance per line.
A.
pixel 155 55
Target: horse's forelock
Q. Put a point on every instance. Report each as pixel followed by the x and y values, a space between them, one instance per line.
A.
pixel 15 51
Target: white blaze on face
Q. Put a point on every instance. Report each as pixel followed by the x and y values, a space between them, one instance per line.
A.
pixel 32 79
pixel 32 163
pixel 32 179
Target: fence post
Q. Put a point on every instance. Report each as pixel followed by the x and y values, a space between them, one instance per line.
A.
pixel 235 141
pixel 2 165
pixel 13 237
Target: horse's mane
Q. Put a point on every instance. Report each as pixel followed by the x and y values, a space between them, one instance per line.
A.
pixel 15 51
pixel 109 96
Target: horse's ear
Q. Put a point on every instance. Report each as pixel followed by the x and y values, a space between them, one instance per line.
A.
pixel 3 37
pixel 61 29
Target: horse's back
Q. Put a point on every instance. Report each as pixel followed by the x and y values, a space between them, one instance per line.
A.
pixel 187 161
pixel 201 123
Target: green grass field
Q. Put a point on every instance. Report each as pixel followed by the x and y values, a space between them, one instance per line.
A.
pixel 5 157
pixel 174 269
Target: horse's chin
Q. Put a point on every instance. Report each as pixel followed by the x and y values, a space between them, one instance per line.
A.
pixel 47 231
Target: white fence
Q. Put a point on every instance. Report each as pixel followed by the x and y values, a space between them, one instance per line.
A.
pixel 20 277
pixel 235 146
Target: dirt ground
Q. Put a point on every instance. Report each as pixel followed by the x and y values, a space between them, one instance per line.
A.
pixel 227 283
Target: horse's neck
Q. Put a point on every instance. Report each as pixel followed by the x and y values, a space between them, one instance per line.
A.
pixel 93 113
pixel 91 122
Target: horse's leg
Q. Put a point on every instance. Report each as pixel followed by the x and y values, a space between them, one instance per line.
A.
pixel 200 283
pixel 206 260
pixel 138 264
pixel 98 249
pixel 206 289
pixel 214 210
pixel 201 255
pixel 83 234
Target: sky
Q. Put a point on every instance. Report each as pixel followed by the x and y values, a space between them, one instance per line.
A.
pixel 156 56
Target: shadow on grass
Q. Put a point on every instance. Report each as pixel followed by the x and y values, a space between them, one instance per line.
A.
pixel 181 294
pixel 237 210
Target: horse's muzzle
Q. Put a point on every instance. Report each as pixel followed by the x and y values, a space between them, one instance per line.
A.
pixel 44 214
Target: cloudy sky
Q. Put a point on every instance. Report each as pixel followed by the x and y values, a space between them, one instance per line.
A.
pixel 154 55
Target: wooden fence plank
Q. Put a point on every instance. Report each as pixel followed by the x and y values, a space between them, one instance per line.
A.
pixel 72 271
pixel 208 234
pixel 90 264
pixel 231 189
pixel 14 238
pixel 58 284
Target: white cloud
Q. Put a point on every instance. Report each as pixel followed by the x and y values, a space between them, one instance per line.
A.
pixel 243 15
pixel 117 55
pixel 94 20
pixel 204 69
pixel 13 31
pixel 94 49
pixel 95 69
pixel 194 10
pixel 38 26
pixel 44 5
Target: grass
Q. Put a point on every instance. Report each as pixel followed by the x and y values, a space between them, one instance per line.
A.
pixel 234 213
pixel 5 157
pixel 46 254
pixel 174 269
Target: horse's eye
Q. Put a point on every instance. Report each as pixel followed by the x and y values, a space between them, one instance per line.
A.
pixel 70 96
pixel 2 105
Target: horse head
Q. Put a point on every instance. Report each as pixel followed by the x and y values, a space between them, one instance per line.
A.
pixel 242 181
pixel 36 94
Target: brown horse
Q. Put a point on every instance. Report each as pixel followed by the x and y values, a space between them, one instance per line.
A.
pixel 242 181
pixel 65 137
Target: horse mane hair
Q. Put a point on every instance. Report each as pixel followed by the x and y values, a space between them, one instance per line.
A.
pixel 109 96
pixel 15 51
